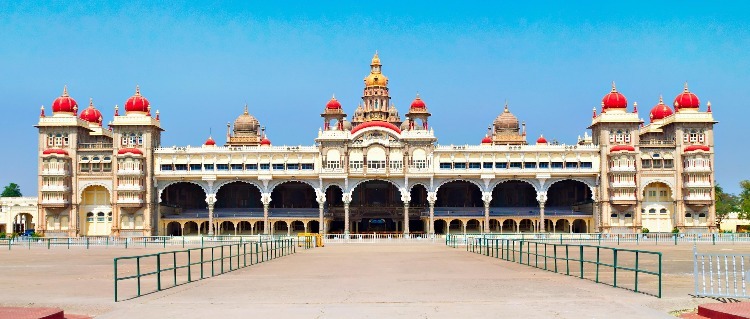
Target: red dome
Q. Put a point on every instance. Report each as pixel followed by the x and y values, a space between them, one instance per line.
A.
pixel 693 148
pixel 137 103
pixel 614 100
pixel 686 100
pixel 333 104
pixel 210 141
pixel 418 103
pixel 376 124
pixel 541 140
pixel 133 151
pixel 622 148
pixel 265 141
pixel 487 140
pixel 91 114
pixel 56 151
pixel 660 111
pixel 64 103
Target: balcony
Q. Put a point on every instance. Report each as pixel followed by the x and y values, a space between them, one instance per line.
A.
pixel 95 146
pixel 56 172
pixel 656 143
pixel 135 188
pixel 623 184
pixel 55 188
pixel 699 184
pixel 131 172
pixel 55 202
pixel 623 199
pixel 618 169
pixel 130 202
pixel 697 169
pixel 698 197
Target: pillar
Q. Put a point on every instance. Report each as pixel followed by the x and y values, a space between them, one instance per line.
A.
pixel 486 217
pixel 321 224
pixel 346 217
pixel 542 226
pixel 266 222
pixel 210 220
pixel 288 228
pixel 432 218
pixel 406 218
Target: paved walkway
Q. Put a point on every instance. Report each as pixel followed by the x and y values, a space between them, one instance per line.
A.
pixel 393 281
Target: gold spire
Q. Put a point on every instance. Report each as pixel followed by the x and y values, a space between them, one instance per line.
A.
pixel 375 59
pixel 614 89
pixel 686 88
pixel 246 113
pixel 65 90
pixel 506 107
pixel 137 90
pixel 91 102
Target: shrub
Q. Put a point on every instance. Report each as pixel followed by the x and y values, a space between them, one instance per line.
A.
pixel 644 230
pixel 675 230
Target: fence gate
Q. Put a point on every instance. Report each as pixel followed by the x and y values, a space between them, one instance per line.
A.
pixel 720 275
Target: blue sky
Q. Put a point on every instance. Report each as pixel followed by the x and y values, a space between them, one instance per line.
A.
pixel 199 63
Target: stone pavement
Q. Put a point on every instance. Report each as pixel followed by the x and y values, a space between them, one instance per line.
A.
pixel 394 281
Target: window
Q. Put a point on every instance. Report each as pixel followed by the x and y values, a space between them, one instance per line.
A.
pixel 613 215
pixel 85 167
pixel 530 165
pixel 663 193
pixel 90 217
pixel 652 193
pixel 251 167
pixel 100 217
pixel 652 211
pixel 646 163
pixel 292 166
pixel 222 167
pixel 557 165
pixel 236 167
pixel 333 164
pixel 586 165
pixel 166 167
pixel 501 165
pixel 544 165
pixel 278 167
pixel 419 163
pixel 571 165
pixel 109 217
pixel 459 165
pixel 265 166
pixel 515 164
pixel 487 165
pixel 668 163
pixel 107 167
pixel 656 163
pixel 693 137
pixel 445 166
pixel 375 164
pixel 195 167
pixel 180 167
pixel 307 167
pixel 628 215
pixel 208 167
pixel 702 215
pixel 474 165
pixel 688 215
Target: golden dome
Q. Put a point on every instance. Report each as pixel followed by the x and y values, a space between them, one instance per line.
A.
pixel 376 79
pixel 246 123
pixel 375 59
pixel 506 120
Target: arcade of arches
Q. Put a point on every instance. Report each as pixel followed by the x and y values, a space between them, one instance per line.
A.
pixel 374 206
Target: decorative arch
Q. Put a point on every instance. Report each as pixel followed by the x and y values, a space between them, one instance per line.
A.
pixel 272 186
pixel 475 182
pixel 83 188
pixel 170 183
pixel 354 186
pixel 548 184
pixel 387 131
pixel 534 183
pixel 328 185
pixel 658 180
pixel 411 186
pixel 222 184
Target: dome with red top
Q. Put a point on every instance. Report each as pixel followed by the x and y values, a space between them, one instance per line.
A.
pixel 418 103
pixel 614 100
pixel 622 148
pixel 541 140
pixel 376 124
pixel 686 100
pixel 333 104
pixel 487 140
pixel 265 141
pixel 133 151
pixel 137 103
pixel 91 114
pixel 210 141
pixel 55 151
pixel 64 103
pixel 693 148
pixel 660 111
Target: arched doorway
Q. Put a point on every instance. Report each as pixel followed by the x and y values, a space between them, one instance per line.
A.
pixel 473 226
pixel 280 228
pixel 509 226
pixel 514 194
pixel 297 227
pixel 313 226
pixel 440 226
pixel 190 228
pixel 236 197
pixel 376 207
pixel 657 209
pixel 22 222
pixel 579 226
pixel 526 226
pixel 459 194
pixel 562 226
pixel 455 226
pixel 293 194
pixel 96 211
pixel 417 206
pixel 174 229
pixel 244 228
pixel 334 207
pixel 226 228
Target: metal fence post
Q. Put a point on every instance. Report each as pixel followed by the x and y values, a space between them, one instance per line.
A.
pixel 115 263
pixel 636 269
pixel 614 268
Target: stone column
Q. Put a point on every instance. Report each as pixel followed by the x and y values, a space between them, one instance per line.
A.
pixel 266 200
pixel 347 198
pixel 210 219
pixel 542 199
pixel 487 199
pixel 321 199
pixel 431 226
pixel 406 219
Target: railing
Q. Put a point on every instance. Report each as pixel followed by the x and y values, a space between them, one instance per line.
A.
pixel 134 242
pixel 720 275
pixel 378 238
pixel 597 263
pixel 455 240
pixel 186 266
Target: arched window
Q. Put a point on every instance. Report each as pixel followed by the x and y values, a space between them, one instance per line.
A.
pixel 688 215
pixel 702 215
pixel 109 217
pixel 663 211
pixel 652 211
pixel 90 217
pixel 99 217
pixel 613 215
pixel 628 215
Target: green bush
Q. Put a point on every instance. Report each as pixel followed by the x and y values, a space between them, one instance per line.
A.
pixel 2 235
pixel 644 230
pixel 675 230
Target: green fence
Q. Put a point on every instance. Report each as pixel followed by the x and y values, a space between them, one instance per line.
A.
pixel 146 272
pixel 132 242
pixel 617 267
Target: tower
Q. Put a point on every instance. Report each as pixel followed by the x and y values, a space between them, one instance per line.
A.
pixel 376 100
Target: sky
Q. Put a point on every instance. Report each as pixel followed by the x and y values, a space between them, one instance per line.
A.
pixel 199 63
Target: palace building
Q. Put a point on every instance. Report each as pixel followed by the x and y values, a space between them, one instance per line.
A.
pixel 376 171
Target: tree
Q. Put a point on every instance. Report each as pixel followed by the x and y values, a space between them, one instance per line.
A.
pixel 743 201
pixel 12 190
pixel 725 204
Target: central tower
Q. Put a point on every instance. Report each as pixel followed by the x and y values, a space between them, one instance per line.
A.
pixel 376 101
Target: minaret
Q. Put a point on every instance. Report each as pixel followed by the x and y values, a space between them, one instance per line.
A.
pixel 377 102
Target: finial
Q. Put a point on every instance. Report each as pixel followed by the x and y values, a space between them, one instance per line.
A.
pixel 100 120
pixel 75 109
pixel 157 115
pixel 707 104
pixel 594 109
pixel 137 90
pixel 333 96
pixel 506 107
pixel 635 107
pixel 661 99
pixel 42 112
pixel 65 90
pixel 117 110
pixel 686 87
pixel 148 110
pixel 614 89
pixel 91 102
pixel 246 113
